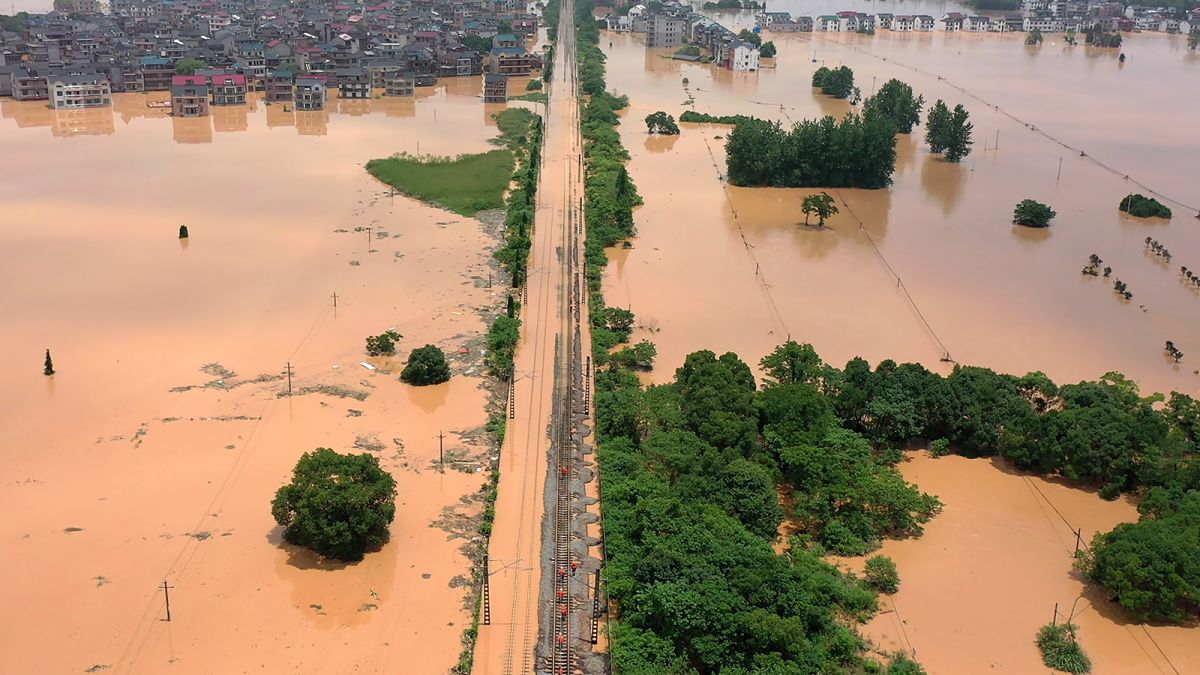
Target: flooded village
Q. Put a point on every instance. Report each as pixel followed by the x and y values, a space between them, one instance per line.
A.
pixel 191 373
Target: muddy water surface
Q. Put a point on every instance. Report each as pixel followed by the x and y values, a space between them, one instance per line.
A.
pixel 155 451
pixel 989 570
pixel 933 268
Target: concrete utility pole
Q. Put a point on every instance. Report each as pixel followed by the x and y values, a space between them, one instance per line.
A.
pixel 441 450
pixel 289 376
pixel 167 595
pixel 335 299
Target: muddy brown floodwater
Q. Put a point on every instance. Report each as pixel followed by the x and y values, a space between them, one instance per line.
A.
pixel 155 451
pixel 932 266
pixel 1002 532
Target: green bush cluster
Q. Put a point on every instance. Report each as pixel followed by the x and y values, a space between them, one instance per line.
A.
pixel 522 200
pixel 1060 650
pixel 382 344
pixel 855 152
pixel 1144 207
pixel 1032 213
pixel 880 572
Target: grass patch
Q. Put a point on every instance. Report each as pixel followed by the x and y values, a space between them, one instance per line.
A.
pixel 534 97
pixel 466 184
pixel 1060 650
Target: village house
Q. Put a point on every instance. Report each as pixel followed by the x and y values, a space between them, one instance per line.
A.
pixel 398 84
pixel 228 89
pixel 157 73
pixel 353 83
pixel 664 30
pixel 79 91
pixel 828 23
pixel 923 22
pixel 953 22
pixel 903 23
pixel 495 88
pixel 279 86
pixel 29 84
pixel 977 24
pixel 189 96
pixel 800 24
pixel 310 92
pixel 508 57
pixel 743 56
pixel 884 20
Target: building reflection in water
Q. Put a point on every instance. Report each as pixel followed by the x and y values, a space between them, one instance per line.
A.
pixel 192 129
pixel 83 122
pixel 312 122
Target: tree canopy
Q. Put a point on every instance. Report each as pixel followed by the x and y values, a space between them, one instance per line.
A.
pixel 661 123
pixel 836 82
pixel 426 365
pixel 338 505
pixel 949 132
pixel 895 101
pixel 767 50
pixel 854 152
pixel 1144 207
pixel 189 66
pixel 820 205
pixel 1032 213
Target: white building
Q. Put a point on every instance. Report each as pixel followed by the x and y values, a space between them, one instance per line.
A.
pixel 79 91
pixel 743 56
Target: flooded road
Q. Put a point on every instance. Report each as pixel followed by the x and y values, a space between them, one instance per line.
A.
pixel 1000 531
pixel 990 293
pixel 155 450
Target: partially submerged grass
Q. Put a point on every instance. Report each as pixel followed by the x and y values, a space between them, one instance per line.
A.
pixel 466 184
pixel 1060 650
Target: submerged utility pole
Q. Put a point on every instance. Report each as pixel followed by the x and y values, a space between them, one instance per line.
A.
pixel 289 376
pixel 167 595
pixel 441 450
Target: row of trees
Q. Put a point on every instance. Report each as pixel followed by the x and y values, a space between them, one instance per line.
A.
pixel 854 152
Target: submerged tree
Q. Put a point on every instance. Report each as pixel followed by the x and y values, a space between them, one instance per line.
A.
pixel 895 101
pixel 1031 213
pixel 337 505
pixel 767 50
pixel 48 366
pixel 426 365
pixel 821 206
pixel 949 132
pixel 384 343
pixel 661 123
pixel 1034 37
pixel 183 232
pixel 837 82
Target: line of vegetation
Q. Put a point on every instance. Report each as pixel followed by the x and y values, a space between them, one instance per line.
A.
pixel 693 116
pixel 1144 207
pixel 533 97
pixel 16 23
pixel 854 152
pixel 1060 650
pixel 522 131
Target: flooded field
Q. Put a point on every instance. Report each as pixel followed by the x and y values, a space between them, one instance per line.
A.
pixel 934 268
pixel 1000 531
pixel 990 293
pixel 155 450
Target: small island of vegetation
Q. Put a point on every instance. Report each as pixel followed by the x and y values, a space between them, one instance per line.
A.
pixel 1032 213
pixel 1142 206
pixel 855 152
pixel 426 365
pixel 836 82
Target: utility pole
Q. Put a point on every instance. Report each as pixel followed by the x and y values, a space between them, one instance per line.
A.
pixel 167 594
pixel 335 299
pixel 441 450
pixel 1059 170
pixel 289 376
pixel 369 229
pixel 1078 540
pixel 1054 621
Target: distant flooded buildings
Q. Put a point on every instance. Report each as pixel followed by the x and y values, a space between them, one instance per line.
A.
pixel 292 51
pixel 672 24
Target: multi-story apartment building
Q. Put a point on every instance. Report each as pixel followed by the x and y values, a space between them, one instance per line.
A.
pixel 29 84
pixel 279 86
pixel 79 91
pixel 665 30
pixel 228 89
pixel 157 73
pixel 353 83
pixel 189 96
pixel 310 92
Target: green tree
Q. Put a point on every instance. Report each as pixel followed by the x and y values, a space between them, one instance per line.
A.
pixel 820 205
pixel 836 82
pixel 1152 567
pixel 476 43
pixel 504 27
pixel 1034 37
pixel 188 66
pixel 1069 37
pixel 48 365
pixel 791 363
pixel 747 35
pixel 767 50
pixel 502 338
pixel 426 365
pixel 880 572
pixel 183 232
pixel 661 123
pixel 1031 213
pixel 958 140
pixel 638 357
pixel 534 85
pixel 937 125
pixel 895 101
pixel 384 343
pixel 338 505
